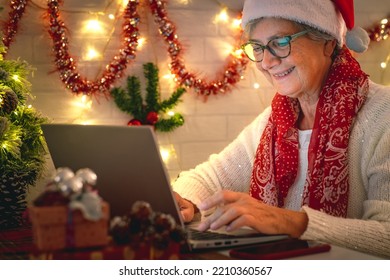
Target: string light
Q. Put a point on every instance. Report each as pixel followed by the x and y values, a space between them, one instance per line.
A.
pixel 222 16
pixel 92 54
pixel 165 154
pixel 16 78
pixel 236 23
pixel 94 26
pixel 141 42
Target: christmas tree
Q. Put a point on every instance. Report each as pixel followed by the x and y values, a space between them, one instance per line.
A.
pixel 148 112
pixel 22 146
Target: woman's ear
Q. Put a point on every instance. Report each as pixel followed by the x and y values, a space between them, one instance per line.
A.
pixel 330 47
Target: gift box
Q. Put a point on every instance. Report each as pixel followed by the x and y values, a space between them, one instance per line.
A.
pixel 69 213
pixel 59 227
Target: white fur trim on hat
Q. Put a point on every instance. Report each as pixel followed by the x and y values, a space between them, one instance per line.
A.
pixel 320 14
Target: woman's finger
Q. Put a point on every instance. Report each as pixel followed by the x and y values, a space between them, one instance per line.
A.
pixel 219 198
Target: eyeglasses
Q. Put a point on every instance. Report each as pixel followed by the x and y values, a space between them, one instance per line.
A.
pixel 278 47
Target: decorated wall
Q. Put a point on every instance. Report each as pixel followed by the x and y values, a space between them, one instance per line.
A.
pixel 82 50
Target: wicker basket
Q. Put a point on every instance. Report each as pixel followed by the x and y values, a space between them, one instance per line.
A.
pixel 55 228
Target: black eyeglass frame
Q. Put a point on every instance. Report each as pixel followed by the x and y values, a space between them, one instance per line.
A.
pixel 289 38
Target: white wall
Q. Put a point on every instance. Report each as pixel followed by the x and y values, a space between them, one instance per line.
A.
pixel 209 125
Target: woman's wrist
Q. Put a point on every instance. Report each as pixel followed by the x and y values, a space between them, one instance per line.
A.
pixel 300 221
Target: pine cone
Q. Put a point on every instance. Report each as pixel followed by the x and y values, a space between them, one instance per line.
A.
pixel 4 124
pixel 4 75
pixel 8 101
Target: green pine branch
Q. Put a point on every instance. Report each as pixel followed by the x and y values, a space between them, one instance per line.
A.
pixel 131 101
pixel 171 102
pixel 167 125
pixel 22 146
pixel 152 92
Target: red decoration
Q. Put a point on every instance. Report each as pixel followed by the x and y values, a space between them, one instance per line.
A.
pixel 380 31
pixel 73 80
pixel 134 122
pixel 232 71
pixel 152 118
pixel 66 64
pixel 11 27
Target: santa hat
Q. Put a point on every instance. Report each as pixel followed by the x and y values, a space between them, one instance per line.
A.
pixel 334 17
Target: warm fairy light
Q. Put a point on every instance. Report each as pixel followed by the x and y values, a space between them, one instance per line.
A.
pixel 383 65
pixel 171 113
pixel 94 26
pixel 222 16
pixel 236 23
pixel 165 154
pixel 92 54
pixel 384 21
pixel 169 76
pixel 123 3
pixel 141 42
pixel 83 102
pixel 111 16
pixel 256 85
pixel 16 78
pixel 238 53
pixel 85 122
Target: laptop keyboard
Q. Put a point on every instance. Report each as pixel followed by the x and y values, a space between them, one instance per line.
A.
pixel 207 235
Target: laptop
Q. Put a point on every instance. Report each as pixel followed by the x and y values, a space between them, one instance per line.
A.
pixel 129 168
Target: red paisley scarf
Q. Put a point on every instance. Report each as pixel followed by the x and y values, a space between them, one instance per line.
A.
pixel 276 161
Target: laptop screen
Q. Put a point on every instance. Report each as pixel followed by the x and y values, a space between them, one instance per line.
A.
pixel 126 160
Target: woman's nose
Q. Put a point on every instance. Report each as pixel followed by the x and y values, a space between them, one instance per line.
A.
pixel 269 60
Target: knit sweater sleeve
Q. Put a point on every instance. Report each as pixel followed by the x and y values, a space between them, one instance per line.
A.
pixel 230 169
pixel 368 228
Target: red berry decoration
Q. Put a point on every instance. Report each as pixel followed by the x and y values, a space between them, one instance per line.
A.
pixel 134 122
pixel 152 118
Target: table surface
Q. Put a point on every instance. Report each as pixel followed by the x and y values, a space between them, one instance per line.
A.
pixel 23 240
pixel 335 253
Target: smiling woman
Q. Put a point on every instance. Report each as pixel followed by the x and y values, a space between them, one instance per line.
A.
pixel 305 166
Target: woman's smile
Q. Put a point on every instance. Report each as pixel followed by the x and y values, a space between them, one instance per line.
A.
pixel 283 74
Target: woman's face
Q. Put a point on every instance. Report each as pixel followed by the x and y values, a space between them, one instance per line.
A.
pixel 303 72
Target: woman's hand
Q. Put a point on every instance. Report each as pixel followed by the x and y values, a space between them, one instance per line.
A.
pixel 187 208
pixel 235 210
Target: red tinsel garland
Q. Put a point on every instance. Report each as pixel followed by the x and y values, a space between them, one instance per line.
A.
pixel 10 28
pixel 72 79
pixel 66 65
pixel 232 72
pixel 381 31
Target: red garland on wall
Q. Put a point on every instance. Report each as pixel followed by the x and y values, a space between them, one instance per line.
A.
pixel 10 28
pixel 380 31
pixel 66 65
pixel 73 80
pixel 232 72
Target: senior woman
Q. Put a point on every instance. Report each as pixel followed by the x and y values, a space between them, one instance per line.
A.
pixel 314 165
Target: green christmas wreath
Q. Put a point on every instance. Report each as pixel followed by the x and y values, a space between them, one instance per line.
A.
pixel 150 110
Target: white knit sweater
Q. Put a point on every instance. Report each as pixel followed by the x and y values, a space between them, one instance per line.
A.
pixel 367 226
